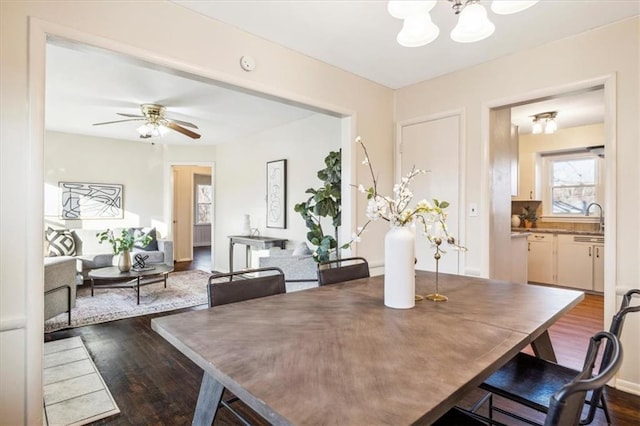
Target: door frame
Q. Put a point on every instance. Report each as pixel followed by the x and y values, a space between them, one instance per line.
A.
pixel 462 168
pixel 169 198
pixel 608 81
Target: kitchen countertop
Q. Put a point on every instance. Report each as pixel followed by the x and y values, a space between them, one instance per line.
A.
pixel 555 231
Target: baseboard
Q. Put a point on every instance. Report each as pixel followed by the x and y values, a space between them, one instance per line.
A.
pixel 629 387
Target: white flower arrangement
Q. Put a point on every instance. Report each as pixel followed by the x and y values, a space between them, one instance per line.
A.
pixel 397 210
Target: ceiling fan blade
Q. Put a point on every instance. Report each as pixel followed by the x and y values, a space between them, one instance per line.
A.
pixel 119 121
pixel 182 123
pixel 180 129
pixel 130 115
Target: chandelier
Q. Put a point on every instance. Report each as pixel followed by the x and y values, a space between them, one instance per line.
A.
pixel 544 122
pixel 473 23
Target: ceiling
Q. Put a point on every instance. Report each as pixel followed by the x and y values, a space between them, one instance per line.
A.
pixel 360 36
pixel 88 85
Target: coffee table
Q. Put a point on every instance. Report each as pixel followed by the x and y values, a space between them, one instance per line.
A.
pixel 131 279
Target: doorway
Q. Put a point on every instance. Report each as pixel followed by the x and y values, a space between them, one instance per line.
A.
pixel 192 210
pixel 501 208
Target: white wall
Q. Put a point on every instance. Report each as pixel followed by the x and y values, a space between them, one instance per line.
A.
pixel 194 44
pixel 240 180
pixel 591 55
pixel 135 165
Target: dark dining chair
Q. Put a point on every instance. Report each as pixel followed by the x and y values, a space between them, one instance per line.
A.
pixel 338 270
pixel 239 286
pixel 566 403
pixel 531 381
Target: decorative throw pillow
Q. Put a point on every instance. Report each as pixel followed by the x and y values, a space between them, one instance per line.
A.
pixel 139 233
pixel 61 242
pixel 302 250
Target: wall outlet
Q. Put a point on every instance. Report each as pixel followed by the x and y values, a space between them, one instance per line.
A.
pixel 473 209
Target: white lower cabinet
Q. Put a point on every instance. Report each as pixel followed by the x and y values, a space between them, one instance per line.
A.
pixel 580 262
pixel 541 258
pixel 566 260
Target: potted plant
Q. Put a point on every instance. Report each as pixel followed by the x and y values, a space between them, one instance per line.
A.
pixel 528 217
pixel 324 202
pixel 123 245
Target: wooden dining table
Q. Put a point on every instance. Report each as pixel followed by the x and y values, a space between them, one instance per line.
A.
pixel 336 355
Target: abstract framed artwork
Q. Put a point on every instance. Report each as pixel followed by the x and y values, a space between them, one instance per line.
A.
pixel 79 200
pixel 277 194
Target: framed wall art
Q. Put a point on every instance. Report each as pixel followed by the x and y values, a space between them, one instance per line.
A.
pixel 79 200
pixel 277 194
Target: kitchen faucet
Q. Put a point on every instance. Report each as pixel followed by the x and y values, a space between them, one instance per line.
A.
pixel 601 222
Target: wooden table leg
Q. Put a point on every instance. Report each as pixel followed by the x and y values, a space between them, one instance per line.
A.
pixel 91 287
pixel 542 347
pixel 208 401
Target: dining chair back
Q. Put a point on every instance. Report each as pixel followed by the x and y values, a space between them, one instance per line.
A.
pixel 531 381
pixel 239 286
pixel 242 285
pixel 338 270
pixel 566 404
pixel 565 407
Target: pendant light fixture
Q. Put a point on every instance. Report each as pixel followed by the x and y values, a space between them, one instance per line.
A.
pixel 473 22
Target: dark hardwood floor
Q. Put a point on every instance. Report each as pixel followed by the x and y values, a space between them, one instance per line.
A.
pixel 154 384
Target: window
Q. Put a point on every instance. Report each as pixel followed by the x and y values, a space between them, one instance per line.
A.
pixel 203 204
pixel 573 183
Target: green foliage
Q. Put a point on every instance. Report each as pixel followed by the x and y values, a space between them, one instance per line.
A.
pixel 125 241
pixel 324 201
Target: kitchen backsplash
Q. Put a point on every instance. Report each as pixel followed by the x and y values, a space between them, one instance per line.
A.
pixel 518 206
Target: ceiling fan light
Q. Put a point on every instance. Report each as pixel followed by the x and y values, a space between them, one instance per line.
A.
pixel 417 31
pixel 507 7
pixel 473 24
pixel 404 9
pixel 144 130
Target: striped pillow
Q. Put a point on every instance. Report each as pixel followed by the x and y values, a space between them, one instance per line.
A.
pixel 61 242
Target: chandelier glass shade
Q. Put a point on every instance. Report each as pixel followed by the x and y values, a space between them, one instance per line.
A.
pixel 473 22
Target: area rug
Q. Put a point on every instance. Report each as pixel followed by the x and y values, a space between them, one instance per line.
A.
pixel 74 391
pixel 184 289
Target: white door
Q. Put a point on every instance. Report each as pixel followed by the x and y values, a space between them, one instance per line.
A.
pixel 434 145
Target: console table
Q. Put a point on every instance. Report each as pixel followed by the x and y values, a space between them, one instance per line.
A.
pixel 260 243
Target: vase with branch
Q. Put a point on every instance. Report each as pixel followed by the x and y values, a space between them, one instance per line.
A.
pixel 405 220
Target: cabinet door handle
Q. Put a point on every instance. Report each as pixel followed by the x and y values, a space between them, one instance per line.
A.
pixel 589 251
pixel 598 252
pixel 531 195
pixel 528 246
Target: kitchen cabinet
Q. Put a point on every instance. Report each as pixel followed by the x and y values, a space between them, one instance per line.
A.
pixel 541 258
pixel 527 187
pixel 580 262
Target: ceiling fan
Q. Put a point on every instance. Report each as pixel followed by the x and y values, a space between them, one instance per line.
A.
pixel 156 123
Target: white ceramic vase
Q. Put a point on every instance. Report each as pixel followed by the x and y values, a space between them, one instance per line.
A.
pixel 246 225
pixel 515 221
pixel 399 268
